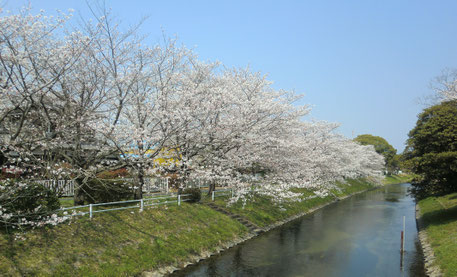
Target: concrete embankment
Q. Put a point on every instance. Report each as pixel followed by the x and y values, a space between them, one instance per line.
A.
pixel 431 268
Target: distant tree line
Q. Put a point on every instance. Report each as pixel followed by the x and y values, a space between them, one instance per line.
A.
pixel 381 146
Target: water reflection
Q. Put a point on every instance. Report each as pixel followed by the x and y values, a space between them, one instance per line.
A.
pixel 359 236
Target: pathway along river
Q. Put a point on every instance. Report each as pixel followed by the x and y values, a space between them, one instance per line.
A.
pixel 358 236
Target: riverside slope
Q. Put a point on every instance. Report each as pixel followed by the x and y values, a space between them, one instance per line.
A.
pixel 157 240
pixel 262 212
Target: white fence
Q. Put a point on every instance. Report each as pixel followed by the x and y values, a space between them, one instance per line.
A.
pixel 62 187
pixel 140 204
pixel 151 185
pixel 67 187
pixel 155 185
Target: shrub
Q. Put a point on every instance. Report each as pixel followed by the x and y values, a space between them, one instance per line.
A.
pixel 194 194
pixel 102 191
pixel 25 203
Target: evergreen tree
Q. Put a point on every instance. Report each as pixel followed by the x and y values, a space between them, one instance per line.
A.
pixel 432 149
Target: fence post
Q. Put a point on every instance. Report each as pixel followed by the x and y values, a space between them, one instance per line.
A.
pixel 166 182
pixel 212 196
pixel 141 205
pixel 404 234
pixel 179 199
pixel 232 191
pixel 90 210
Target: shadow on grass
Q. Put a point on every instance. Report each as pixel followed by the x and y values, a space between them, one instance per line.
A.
pixel 439 217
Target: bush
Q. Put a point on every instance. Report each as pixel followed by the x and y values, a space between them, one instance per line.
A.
pixel 25 202
pixel 102 191
pixel 194 194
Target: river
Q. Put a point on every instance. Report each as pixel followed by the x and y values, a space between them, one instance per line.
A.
pixel 358 236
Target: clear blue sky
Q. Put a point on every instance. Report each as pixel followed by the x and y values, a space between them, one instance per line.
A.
pixel 364 64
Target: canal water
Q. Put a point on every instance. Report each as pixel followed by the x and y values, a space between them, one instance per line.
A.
pixel 358 236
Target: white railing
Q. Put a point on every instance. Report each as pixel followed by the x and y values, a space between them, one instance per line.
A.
pixel 140 204
pixel 155 185
pixel 62 187
pixel 151 185
pixel 67 187
pixel 221 192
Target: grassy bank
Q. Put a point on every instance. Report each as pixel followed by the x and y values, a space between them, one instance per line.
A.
pixel 439 215
pixel 117 243
pixel 128 243
pixel 262 212
pixel 397 179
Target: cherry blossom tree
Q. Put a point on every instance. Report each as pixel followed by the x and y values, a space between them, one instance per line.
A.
pixel 62 89
pixel 446 85
pixel 32 61
pixel 151 114
pixel 81 100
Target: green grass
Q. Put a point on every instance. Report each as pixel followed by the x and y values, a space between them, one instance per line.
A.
pixel 66 202
pixel 263 212
pixel 397 179
pixel 439 215
pixel 120 243
pixel 352 186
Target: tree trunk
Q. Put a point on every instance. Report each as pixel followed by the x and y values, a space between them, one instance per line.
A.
pixel 138 194
pixel 212 187
pixel 78 197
